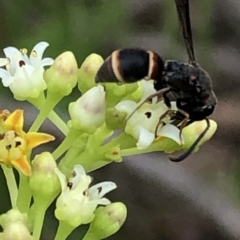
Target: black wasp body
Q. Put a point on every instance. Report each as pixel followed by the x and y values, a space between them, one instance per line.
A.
pixel 186 83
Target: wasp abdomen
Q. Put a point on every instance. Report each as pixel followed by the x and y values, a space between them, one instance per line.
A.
pixel 130 65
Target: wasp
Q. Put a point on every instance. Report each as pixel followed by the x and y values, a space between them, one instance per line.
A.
pixel 184 82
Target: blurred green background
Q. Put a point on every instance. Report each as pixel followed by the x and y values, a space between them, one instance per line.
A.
pixel 197 199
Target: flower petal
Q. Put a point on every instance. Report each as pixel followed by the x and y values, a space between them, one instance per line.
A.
pixel 145 138
pixel 34 139
pixel 100 189
pixel 37 53
pixel 15 121
pixel 172 132
pixel 103 201
pixel 23 165
pixel 4 62
pixel 47 62
pixel 127 106
pixel 15 57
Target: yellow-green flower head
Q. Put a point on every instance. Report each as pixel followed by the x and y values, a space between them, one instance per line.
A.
pixel 15 143
pixel 77 202
pixel 44 181
pixel 23 74
pixel 88 112
pixel 14 226
pixel 108 220
pixel 61 77
pixel 88 71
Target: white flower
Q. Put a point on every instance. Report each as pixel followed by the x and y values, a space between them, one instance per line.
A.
pixel 23 74
pixel 142 124
pixel 77 202
pixel 88 112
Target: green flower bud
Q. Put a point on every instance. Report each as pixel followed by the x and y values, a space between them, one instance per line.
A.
pixel 14 226
pixel 61 77
pixel 115 93
pixel 44 181
pixel 88 112
pixel 87 72
pixel 108 220
pixel 136 95
pixel 191 133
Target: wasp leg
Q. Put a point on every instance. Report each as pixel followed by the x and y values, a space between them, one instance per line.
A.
pixel 183 124
pixel 168 104
pixel 149 98
pixel 169 111
pixel 191 148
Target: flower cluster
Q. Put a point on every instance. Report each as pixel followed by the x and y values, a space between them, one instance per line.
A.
pixel 105 124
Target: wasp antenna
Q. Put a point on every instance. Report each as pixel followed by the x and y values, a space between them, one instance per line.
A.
pixel 189 151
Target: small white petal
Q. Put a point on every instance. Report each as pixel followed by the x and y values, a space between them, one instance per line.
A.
pixel 47 62
pixel 100 189
pixel 4 73
pixel 103 201
pixel 7 81
pixel 39 48
pixel 37 53
pixel 172 132
pixel 25 58
pixel 79 170
pixel 15 57
pixel 145 138
pixel 11 51
pixel 4 62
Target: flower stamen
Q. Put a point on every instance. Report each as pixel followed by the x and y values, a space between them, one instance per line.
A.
pixel 34 53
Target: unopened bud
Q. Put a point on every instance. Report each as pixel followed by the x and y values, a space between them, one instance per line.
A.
pixel 61 77
pixel 87 72
pixel 88 112
pixel 44 182
pixel 108 220
pixel 115 93
pixel 191 132
pixel 14 226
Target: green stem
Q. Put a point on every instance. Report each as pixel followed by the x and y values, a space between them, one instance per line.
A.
pixel 90 236
pixel 64 229
pixel 39 103
pixel 11 183
pixel 39 214
pixel 113 143
pixel 67 142
pixel 24 194
pixel 58 122
pixel 134 151
pixel 49 104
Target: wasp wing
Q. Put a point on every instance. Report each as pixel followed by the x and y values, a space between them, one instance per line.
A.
pixel 184 18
